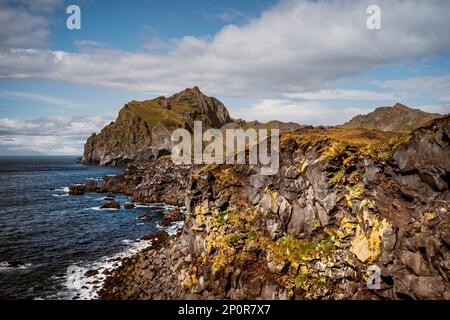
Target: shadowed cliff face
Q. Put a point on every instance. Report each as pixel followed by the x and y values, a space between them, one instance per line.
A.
pixel 398 118
pixel 118 141
pixel 345 204
pixel 142 129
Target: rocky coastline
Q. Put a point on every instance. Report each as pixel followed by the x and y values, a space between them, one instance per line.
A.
pixel 345 205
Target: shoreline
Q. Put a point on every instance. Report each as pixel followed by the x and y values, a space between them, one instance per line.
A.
pixel 84 282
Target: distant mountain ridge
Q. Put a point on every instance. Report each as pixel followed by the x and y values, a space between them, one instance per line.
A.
pixel 143 129
pixel 398 118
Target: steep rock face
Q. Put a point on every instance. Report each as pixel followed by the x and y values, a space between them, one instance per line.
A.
pixel 398 118
pixel 143 128
pixel 346 204
pixel 118 141
pixel 428 154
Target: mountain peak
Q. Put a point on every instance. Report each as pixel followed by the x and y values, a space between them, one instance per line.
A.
pixel 401 106
pixel 147 124
pixel 191 91
pixel 398 118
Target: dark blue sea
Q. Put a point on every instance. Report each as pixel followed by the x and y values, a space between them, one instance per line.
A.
pixel 49 239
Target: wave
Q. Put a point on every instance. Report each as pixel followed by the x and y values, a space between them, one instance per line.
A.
pixel 100 209
pixel 82 281
pixel 62 189
pixel 14 266
pixel 173 229
pixel 59 195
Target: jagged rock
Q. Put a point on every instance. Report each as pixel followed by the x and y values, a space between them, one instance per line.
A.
pixel 427 155
pixel 415 263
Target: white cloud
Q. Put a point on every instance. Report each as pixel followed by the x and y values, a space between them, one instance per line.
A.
pixel 25 23
pixel 303 112
pixel 294 47
pixel 228 16
pixel 438 86
pixel 345 94
pixel 52 126
pixel 37 98
pixel 50 145
pixel 49 135
pixel 436 108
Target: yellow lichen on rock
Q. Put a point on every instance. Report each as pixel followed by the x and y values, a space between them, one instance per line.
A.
pixel 366 243
pixel 201 210
pixel 188 279
pixel 303 167
pixel 429 217
pixel 346 227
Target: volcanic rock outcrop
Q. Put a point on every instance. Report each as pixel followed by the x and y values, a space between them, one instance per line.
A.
pixel 142 129
pixel 351 214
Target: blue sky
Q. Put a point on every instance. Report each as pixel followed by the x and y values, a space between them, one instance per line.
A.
pixel 312 62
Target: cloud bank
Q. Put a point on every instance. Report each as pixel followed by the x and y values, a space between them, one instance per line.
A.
pixel 293 47
pixel 48 135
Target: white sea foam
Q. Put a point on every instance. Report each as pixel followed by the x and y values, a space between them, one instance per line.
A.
pixel 100 209
pixel 7 267
pixel 173 229
pixel 78 286
pixel 59 195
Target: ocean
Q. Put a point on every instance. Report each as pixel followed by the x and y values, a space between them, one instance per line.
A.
pixel 49 239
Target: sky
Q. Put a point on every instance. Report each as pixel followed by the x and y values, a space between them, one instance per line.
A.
pixel 307 61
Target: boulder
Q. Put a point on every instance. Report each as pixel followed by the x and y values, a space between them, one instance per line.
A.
pixel 145 217
pixel 111 205
pixel 76 190
pixel 90 186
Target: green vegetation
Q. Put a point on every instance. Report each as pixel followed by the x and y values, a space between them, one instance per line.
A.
pixel 152 112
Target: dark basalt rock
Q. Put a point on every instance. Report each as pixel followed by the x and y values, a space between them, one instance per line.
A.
pixel 427 156
pixel 317 186
pixel 145 217
pixel 76 190
pixel 90 273
pixel 80 189
pixel 111 205
pixel 128 205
